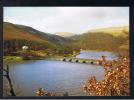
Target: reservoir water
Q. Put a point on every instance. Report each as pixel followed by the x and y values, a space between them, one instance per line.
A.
pixel 53 76
pixel 97 55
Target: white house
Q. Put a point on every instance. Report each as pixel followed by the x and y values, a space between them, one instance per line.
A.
pixel 25 47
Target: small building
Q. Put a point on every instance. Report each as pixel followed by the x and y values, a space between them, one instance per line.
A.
pixel 25 47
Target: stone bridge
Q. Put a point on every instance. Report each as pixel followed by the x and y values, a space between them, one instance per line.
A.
pixel 78 60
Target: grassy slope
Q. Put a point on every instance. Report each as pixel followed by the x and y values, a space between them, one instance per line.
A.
pixel 107 39
pixel 19 35
pixel 20 32
pixel 13 32
pixel 114 31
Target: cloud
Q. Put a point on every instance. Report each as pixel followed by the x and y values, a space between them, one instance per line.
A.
pixel 67 19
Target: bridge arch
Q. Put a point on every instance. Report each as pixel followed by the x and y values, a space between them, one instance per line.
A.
pixel 64 59
pixel 84 61
pixel 70 60
pixel 77 60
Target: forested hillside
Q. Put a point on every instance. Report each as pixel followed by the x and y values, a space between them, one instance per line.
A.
pixel 107 39
pixel 16 36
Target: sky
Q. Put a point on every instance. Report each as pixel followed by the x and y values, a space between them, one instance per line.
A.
pixel 67 19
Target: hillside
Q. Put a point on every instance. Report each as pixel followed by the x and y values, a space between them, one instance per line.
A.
pixel 14 31
pixel 64 34
pixel 114 31
pixel 11 32
pixel 107 39
pixel 19 35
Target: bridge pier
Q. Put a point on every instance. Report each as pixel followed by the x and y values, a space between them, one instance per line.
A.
pixel 64 59
pixel 70 60
pixel 91 62
pixel 77 61
pixel 84 61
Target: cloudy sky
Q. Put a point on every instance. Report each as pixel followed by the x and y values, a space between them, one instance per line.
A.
pixel 67 19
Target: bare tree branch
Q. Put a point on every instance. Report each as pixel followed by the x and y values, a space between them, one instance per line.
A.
pixel 9 80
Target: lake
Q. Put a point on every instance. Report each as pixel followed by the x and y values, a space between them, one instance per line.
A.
pixel 53 76
pixel 97 55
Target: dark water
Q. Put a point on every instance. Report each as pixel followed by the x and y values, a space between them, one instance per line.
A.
pixel 53 76
pixel 96 55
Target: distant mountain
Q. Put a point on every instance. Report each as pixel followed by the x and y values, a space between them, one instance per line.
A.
pixel 64 34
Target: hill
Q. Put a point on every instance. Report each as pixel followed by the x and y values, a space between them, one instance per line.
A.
pixel 64 34
pixel 14 31
pixel 106 39
pixel 114 31
pixel 15 36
